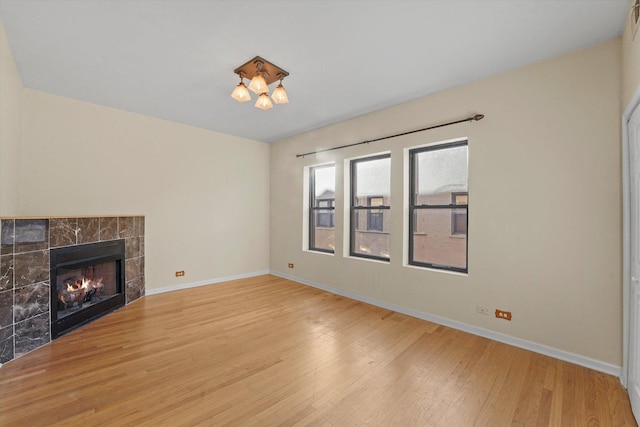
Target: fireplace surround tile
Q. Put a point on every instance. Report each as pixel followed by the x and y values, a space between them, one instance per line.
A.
pixel 6 236
pixel 108 228
pixel 133 268
pixel 31 235
pixel 138 225
pixel 88 230
pixel 31 334
pixel 24 270
pixel 132 247
pixel 6 272
pixel 6 344
pixel 6 308
pixel 31 267
pixel 135 289
pixel 63 231
pixel 30 301
pixel 126 227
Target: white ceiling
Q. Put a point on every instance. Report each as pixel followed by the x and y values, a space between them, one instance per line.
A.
pixel 175 59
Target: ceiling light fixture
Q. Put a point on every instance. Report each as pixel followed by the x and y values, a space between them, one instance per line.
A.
pixel 263 102
pixel 241 93
pixel 262 73
pixel 280 95
pixel 258 84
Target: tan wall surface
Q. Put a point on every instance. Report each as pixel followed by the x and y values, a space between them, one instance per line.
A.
pixel 545 204
pixel 630 63
pixel 10 129
pixel 205 195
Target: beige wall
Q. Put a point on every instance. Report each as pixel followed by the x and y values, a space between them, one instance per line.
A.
pixel 205 195
pixel 630 63
pixel 544 216
pixel 10 129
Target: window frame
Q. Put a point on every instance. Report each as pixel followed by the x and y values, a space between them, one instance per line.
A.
pixel 354 210
pixel 413 207
pixel 313 208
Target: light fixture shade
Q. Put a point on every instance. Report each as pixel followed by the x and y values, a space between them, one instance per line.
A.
pixel 258 84
pixel 280 95
pixel 240 93
pixel 264 102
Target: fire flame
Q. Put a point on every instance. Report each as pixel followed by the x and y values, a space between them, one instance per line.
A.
pixel 84 284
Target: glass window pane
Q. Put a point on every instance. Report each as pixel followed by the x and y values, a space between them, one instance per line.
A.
pixel 373 178
pixel 368 241
pixel 439 173
pixel 323 229
pixel 322 221
pixel 433 242
pixel 325 183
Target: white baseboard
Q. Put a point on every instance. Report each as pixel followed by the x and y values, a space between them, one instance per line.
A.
pixel 204 282
pixel 577 359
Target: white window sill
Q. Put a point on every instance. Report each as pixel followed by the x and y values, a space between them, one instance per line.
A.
pixel 377 261
pixel 436 270
pixel 311 251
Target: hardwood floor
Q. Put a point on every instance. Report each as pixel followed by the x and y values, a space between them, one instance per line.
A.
pixel 267 351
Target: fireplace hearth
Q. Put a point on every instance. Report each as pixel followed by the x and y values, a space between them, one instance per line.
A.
pixel 87 281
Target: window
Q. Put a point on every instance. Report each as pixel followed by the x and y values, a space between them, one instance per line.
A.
pixel 322 186
pixel 370 191
pixel 438 206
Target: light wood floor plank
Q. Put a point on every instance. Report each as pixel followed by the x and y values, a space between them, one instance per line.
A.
pixel 270 352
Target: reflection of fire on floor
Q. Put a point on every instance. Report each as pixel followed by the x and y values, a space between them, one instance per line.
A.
pixel 79 290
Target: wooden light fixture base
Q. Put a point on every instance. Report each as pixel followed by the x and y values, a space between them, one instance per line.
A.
pixel 271 72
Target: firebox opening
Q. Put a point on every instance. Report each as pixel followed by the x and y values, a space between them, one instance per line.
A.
pixel 89 282
pixel 84 287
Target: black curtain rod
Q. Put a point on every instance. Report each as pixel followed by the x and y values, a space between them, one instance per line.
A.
pixel 476 118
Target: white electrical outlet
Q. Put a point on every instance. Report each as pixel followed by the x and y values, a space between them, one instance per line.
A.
pixel 482 310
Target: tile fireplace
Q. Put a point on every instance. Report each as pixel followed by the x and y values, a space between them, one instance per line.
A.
pixel 33 308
